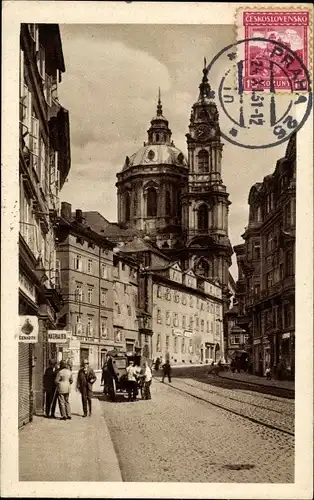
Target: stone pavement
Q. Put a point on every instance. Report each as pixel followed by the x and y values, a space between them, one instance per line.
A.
pixel 74 450
pixel 247 377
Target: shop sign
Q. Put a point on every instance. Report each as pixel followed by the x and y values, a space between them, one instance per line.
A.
pixel 177 332
pixel 256 341
pixel 28 329
pixel 286 335
pixel 188 333
pixel 58 336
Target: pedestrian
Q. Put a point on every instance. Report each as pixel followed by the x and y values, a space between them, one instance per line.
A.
pixel 268 372
pixel 139 376
pixel 157 364
pixel 50 389
pixel 64 380
pixel 166 368
pixel 132 381
pixel 147 381
pixel 85 379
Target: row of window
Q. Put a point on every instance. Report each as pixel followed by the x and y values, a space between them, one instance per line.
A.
pixel 87 328
pixel 258 213
pixel 189 322
pixel 89 297
pixel 90 266
pixel 183 345
pixel 83 328
pixel 184 298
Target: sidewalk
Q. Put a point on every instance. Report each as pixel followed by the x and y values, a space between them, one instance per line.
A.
pixel 247 377
pixel 74 450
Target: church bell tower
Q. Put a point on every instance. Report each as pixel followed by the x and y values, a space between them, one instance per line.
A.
pixel 205 202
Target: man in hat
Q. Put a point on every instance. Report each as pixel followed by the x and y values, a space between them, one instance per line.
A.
pixel 85 379
pixel 64 380
pixel 50 389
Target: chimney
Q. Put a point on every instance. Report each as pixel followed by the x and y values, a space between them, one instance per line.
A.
pixel 79 215
pixel 66 210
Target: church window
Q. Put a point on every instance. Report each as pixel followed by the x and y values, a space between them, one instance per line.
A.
pixel 135 203
pixel 203 161
pixel 157 137
pixel 151 202
pixel 127 206
pixel 202 217
pixel 168 203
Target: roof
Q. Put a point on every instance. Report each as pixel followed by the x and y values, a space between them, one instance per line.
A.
pixel 156 154
pixel 96 221
pixel 140 245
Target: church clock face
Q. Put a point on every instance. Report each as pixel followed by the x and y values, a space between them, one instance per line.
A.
pixel 202 132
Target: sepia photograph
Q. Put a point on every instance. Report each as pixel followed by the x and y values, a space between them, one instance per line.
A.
pixel 158 221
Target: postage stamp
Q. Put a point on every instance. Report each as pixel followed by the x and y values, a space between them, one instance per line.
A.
pixel 248 111
pixel 275 65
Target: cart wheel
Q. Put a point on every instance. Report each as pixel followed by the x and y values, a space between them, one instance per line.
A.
pixel 113 390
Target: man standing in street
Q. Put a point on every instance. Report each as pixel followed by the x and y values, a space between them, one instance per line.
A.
pixel 132 381
pixel 166 368
pixel 63 381
pixel 85 379
pixel 50 389
pixel 147 381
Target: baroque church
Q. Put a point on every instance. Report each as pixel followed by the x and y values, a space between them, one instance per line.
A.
pixel 180 205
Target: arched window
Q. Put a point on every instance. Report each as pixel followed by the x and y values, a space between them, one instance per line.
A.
pixel 151 202
pixel 127 206
pixel 157 137
pixel 168 203
pixel 202 217
pixel 203 161
pixel 135 203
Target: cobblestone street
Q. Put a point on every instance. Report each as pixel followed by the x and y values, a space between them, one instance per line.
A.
pixel 176 437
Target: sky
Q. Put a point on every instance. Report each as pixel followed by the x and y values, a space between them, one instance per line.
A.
pixel 110 88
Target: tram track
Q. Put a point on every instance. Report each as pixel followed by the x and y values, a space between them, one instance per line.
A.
pixel 228 409
pixel 280 412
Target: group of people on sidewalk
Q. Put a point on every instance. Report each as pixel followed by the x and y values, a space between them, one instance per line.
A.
pixel 57 386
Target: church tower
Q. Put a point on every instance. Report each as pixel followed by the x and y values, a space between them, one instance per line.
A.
pixel 205 202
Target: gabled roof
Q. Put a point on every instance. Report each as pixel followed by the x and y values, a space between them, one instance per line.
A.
pixel 96 221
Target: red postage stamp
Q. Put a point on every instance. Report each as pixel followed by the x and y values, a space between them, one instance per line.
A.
pixel 276 52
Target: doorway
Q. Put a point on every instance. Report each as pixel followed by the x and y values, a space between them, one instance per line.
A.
pixel 84 354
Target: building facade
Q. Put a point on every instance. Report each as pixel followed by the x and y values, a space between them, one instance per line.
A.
pixel 44 163
pixel 125 296
pixel 85 260
pixel 266 268
pixel 187 316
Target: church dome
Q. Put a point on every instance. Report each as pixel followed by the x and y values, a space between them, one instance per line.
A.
pixel 159 149
pixel 156 154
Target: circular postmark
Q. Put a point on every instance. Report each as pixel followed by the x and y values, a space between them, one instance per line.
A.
pixel 265 95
